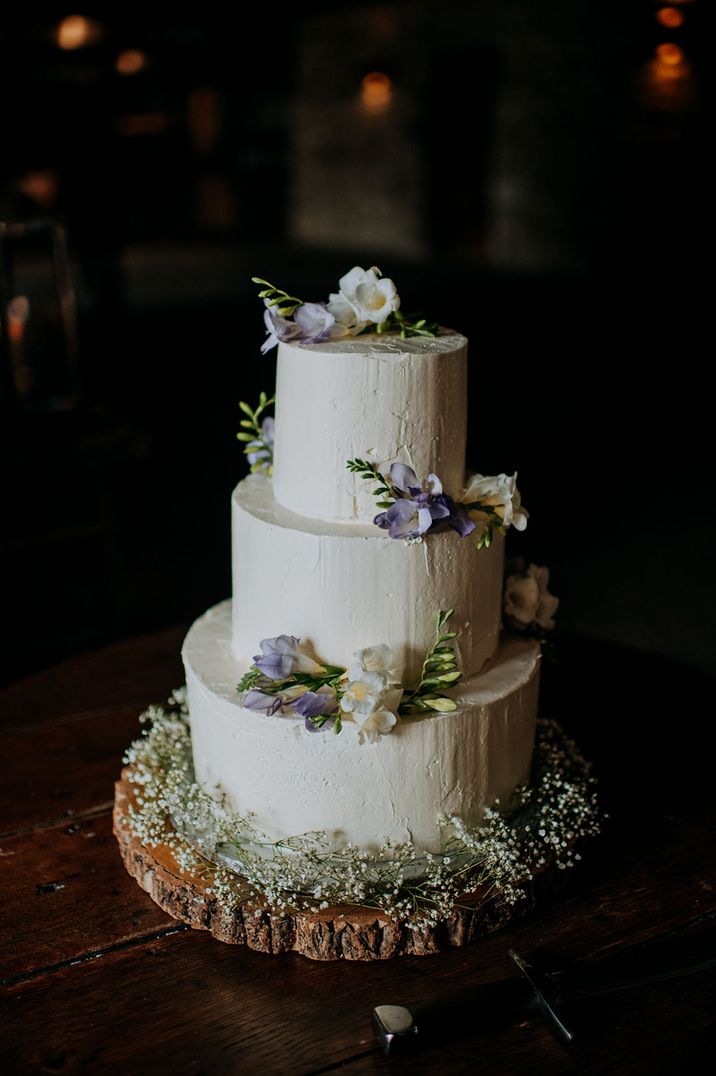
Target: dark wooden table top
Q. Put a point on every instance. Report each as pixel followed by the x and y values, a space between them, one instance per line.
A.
pixel 95 976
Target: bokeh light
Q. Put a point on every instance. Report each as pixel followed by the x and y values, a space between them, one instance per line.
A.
pixel 670 17
pixel 669 54
pixel 376 90
pixel 130 62
pixel 76 32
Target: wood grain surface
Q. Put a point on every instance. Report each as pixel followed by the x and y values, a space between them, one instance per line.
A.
pixel 95 976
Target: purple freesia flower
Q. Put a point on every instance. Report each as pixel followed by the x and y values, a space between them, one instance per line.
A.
pixel 277 656
pixel 312 323
pixel 262 702
pixel 410 517
pixel 278 328
pixel 405 479
pixel 457 517
pixel 315 322
pixel 282 656
pixel 313 703
pixel 262 448
pixel 420 507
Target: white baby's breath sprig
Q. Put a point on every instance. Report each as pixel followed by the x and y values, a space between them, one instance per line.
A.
pixel 239 863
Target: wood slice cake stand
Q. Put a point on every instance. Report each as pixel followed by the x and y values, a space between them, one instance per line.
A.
pixel 345 932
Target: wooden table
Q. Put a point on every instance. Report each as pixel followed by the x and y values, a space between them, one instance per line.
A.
pixel 95 976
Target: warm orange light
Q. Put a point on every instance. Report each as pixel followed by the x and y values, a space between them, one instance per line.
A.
pixel 143 123
pixel 670 16
pixel 130 62
pixel 24 378
pixel 376 90
pixel 75 31
pixel 669 54
pixel 667 87
pixel 204 118
pixel 41 186
pixel 18 314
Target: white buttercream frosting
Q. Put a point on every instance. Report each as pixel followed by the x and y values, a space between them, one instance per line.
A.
pixel 295 782
pixel 343 586
pixel 373 396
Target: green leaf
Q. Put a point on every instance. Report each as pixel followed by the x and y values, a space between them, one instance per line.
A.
pixel 450 677
pixel 246 409
pixel 246 436
pixel 435 667
pixel 443 678
pixel 249 679
pixel 443 706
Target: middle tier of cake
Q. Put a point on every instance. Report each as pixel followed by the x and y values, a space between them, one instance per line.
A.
pixel 340 587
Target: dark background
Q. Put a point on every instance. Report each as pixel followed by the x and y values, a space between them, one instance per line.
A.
pixel 533 175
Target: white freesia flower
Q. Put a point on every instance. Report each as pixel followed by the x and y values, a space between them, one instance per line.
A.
pixel 378 659
pixel 364 695
pixel 377 724
pixel 500 493
pixel 365 298
pixel 382 720
pixel 371 699
pixel 527 599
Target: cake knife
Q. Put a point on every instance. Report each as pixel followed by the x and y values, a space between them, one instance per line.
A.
pixel 551 993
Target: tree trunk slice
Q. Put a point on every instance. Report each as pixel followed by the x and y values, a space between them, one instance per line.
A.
pixel 344 932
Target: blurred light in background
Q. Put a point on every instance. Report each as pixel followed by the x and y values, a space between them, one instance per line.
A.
pixel 670 17
pixel 216 206
pixel 75 32
pixel 18 314
pixel 204 119
pixel 669 54
pixel 376 91
pixel 41 187
pixel 143 123
pixel 668 83
pixel 130 62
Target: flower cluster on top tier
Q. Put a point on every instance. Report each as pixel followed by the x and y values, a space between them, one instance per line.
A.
pixel 413 508
pixel 366 301
pixel 285 679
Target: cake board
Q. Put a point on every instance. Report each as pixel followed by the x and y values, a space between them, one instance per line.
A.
pixel 343 932
pixel 339 931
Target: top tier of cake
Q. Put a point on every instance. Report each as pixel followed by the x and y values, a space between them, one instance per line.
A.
pixel 375 397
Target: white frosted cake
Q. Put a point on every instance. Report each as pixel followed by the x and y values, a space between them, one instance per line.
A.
pixel 342 601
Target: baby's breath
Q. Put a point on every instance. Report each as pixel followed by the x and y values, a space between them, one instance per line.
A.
pixel 239 863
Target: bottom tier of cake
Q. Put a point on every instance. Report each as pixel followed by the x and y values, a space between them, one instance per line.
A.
pixel 294 782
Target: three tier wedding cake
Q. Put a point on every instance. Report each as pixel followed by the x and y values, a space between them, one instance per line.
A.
pixel 343 600
pixel 359 726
